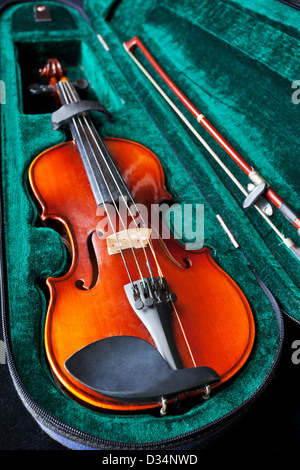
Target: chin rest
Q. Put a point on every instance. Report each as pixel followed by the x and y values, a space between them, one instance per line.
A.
pixel 131 369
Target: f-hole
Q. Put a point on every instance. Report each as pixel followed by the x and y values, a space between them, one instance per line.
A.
pixel 80 283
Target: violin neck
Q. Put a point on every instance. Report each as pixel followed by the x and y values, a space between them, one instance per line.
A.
pixel 105 180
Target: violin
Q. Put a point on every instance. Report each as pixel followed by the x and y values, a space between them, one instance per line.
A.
pixel 139 321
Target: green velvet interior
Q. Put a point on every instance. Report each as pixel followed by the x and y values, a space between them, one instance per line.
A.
pixel 234 61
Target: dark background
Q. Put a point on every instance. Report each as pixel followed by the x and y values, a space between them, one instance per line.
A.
pixel 271 424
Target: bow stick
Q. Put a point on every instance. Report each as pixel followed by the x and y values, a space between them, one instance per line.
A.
pixel 261 187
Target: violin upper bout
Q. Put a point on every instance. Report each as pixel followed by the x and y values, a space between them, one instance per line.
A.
pixel 46 171
pixel 140 169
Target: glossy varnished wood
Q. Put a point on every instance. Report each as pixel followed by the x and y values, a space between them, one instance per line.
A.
pixel 213 323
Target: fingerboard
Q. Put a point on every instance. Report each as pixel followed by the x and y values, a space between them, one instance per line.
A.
pixel 105 180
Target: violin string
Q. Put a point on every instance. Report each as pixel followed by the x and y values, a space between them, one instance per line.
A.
pixel 107 212
pixel 90 128
pixel 159 270
pixel 115 206
pixel 92 132
pixel 126 204
pixel 122 196
pixel 175 310
pixel 95 179
pixel 130 212
pixel 184 336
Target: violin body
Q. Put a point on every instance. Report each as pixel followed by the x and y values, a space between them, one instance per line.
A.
pixel 211 321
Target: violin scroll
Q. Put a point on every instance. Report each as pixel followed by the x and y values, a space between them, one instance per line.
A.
pixel 53 73
pixel 52 70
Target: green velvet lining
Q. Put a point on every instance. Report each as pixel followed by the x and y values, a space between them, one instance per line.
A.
pixel 245 90
pixel 242 86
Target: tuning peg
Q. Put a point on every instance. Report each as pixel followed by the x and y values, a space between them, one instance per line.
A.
pixel 81 83
pixel 37 89
pixel 172 297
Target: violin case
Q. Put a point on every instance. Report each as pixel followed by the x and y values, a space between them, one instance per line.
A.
pixel 238 61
